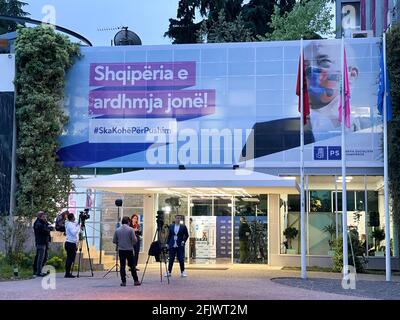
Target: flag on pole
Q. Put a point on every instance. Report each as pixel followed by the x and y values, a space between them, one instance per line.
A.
pixel 89 201
pixel 306 100
pixel 346 95
pixel 382 91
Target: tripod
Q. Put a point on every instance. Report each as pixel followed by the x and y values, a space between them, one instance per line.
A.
pixel 162 250
pixel 118 203
pixel 80 251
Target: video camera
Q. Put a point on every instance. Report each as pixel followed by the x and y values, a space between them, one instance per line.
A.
pixel 160 219
pixel 84 215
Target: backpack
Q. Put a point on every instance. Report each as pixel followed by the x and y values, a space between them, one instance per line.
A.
pixel 155 250
pixel 60 223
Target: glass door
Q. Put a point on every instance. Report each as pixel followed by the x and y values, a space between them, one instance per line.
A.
pixel 251 229
pixel 210 225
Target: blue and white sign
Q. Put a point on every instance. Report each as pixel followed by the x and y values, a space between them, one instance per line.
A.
pixel 217 105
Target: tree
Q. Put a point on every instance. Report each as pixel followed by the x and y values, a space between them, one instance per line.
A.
pixel 224 31
pixel 255 16
pixel 42 59
pixel 393 61
pixel 183 29
pixel 12 8
pixel 309 19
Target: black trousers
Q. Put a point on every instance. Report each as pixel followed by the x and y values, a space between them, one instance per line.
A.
pixel 124 256
pixel 71 254
pixel 136 248
pixel 180 252
pixel 42 252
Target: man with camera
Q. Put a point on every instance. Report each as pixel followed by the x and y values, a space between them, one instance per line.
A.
pixel 42 238
pixel 125 239
pixel 72 229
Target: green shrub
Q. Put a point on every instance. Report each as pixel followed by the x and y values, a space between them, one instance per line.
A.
pixel 56 262
pixel 337 259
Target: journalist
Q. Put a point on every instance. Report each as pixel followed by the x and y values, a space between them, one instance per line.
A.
pixel 125 239
pixel 177 236
pixel 42 239
pixel 72 229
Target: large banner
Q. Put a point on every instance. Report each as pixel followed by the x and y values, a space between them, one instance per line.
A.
pixel 217 105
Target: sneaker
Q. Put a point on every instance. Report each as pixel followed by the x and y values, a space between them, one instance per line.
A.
pixel 184 274
pixel 41 274
pixel 123 284
pixel 69 276
pixel 167 274
pixel 137 283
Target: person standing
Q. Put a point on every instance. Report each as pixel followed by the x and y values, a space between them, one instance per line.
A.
pixel 42 230
pixel 72 229
pixel 177 237
pixel 125 239
pixel 244 232
pixel 138 233
pixel 192 240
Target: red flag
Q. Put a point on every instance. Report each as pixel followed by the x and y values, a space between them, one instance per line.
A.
pixel 306 100
pixel 346 95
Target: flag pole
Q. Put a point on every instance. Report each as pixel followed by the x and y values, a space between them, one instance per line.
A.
pixel 302 200
pixel 344 186
pixel 385 165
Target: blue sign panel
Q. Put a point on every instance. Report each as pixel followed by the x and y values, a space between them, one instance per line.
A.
pixel 335 153
pixel 320 153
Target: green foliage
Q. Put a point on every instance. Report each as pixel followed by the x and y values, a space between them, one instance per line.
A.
pixel 42 59
pixel 379 235
pixel 255 15
pixel 290 233
pixel 224 31
pixel 393 61
pixel 331 229
pixel 13 233
pixel 309 19
pixel 11 8
pixel 337 259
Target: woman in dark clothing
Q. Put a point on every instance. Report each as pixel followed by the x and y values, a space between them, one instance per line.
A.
pixel 138 232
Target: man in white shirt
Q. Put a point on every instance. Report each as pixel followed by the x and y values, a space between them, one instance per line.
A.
pixel 72 229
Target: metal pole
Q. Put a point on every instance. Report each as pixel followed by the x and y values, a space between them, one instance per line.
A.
pixel 366 214
pixel 302 224
pixel 336 209
pixel 344 186
pixel 307 218
pixel 386 169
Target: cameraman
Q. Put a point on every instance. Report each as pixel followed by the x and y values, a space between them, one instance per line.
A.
pixel 72 229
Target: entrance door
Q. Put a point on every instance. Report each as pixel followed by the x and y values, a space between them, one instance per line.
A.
pixel 251 218
pixel 210 228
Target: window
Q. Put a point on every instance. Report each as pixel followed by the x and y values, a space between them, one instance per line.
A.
pixel 320 201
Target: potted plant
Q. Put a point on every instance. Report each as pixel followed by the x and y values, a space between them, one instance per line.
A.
pixel 331 229
pixel 379 235
pixel 290 233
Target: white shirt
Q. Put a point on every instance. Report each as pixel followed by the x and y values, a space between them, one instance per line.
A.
pixel 176 230
pixel 72 230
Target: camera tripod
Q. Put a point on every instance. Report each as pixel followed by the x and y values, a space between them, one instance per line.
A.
pixel 80 250
pixel 116 265
pixel 163 255
pixel 118 203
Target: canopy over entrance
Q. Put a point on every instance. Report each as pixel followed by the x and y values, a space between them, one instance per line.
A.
pixel 192 181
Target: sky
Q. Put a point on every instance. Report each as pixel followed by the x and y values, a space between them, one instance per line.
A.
pixel 147 18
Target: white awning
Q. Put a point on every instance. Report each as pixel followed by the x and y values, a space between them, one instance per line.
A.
pixel 160 180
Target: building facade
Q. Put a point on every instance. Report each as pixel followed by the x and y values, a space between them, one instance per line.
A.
pixel 219 107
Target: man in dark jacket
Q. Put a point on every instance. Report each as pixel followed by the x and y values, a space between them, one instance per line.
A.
pixel 42 238
pixel 244 232
pixel 177 237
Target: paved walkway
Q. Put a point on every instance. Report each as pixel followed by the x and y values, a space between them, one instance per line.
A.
pixel 256 283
